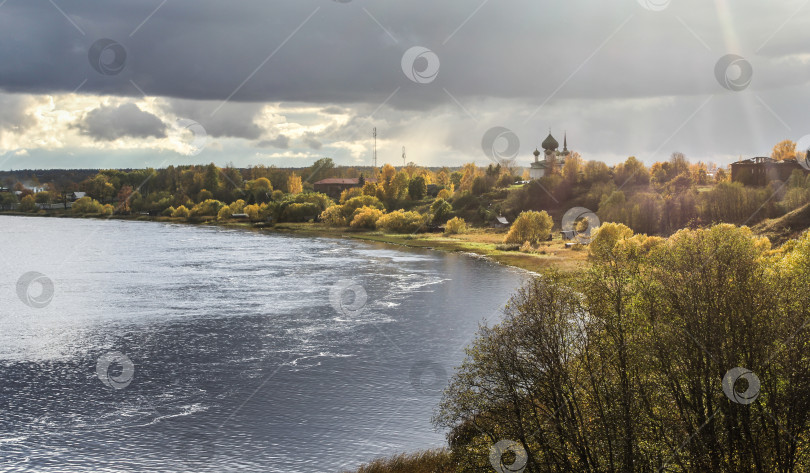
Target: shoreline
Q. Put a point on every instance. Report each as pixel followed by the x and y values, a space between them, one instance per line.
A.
pixel 479 242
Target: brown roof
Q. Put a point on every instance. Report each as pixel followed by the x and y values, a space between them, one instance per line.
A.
pixel 345 181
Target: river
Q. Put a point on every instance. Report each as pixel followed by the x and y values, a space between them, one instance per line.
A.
pixel 142 346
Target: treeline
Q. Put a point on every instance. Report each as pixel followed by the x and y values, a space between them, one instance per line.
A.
pixel 687 354
pixel 658 200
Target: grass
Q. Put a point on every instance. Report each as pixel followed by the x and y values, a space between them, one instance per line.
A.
pixel 479 241
pixel 787 227
pixel 429 461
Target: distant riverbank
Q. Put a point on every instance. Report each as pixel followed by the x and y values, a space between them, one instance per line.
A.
pixel 478 241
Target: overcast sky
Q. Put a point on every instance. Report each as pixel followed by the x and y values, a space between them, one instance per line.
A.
pixel 151 83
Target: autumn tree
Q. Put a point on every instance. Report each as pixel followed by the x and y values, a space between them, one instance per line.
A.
pixel 417 188
pixel 28 204
pixel 572 169
pixel 123 199
pixel 630 173
pixel 294 185
pixel 784 150
pixel 530 226
pixel 687 354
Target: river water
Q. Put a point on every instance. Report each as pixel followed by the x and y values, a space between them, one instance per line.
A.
pixel 141 346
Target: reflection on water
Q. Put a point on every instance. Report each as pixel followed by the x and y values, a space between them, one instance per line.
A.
pixel 240 359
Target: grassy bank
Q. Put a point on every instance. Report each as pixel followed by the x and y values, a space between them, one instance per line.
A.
pixel 429 461
pixel 482 242
pixel 478 241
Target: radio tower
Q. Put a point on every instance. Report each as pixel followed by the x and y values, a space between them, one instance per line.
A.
pixel 375 147
pixel 403 156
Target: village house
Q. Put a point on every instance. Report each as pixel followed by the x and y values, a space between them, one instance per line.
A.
pixel 333 186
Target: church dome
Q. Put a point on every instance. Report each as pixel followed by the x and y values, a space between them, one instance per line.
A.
pixel 536 152
pixel 550 144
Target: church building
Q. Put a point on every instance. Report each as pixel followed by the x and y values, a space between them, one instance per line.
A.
pixel 553 159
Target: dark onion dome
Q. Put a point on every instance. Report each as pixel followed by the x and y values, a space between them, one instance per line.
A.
pixel 536 153
pixel 550 144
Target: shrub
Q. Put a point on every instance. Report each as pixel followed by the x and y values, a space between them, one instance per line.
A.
pixel 252 212
pixel 87 205
pixel 362 201
pixel 444 194
pixel 168 212
pixel 321 201
pixel 300 212
pixel 441 210
pixel 237 207
pixel 28 204
pixel 224 213
pixel 455 226
pixel 366 217
pixel 206 208
pixel 400 222
pixel 350 193
pixel 333 216
pixel 180 212
pixel 530 226
pixel 507 247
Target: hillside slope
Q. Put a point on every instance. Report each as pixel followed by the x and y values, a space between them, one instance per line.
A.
pixel 786 227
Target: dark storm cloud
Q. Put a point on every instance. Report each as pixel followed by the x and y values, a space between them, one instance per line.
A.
pixel 231 120
pixel 108 123
pixel 281 142
pixel 206 49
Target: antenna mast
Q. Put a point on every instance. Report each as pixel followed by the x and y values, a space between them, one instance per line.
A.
pixel 375 147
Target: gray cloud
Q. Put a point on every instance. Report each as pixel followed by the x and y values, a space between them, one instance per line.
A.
pixel 232 119
pixel 13 113
pixel 206 50
pixel 108 123
pixel 311 141
pixel 622 80
pixel 281 142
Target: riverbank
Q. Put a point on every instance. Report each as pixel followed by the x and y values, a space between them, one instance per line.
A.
pixel 483 242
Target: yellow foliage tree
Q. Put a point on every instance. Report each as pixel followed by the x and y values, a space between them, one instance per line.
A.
pixel 530 226
pixel 455 226
pixel 783 150
pixel 294 185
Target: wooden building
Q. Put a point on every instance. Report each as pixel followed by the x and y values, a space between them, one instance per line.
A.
pixel 760 171
pixel 333 186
